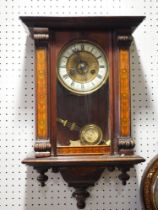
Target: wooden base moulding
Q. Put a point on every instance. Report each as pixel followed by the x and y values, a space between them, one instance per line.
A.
pixel 82 172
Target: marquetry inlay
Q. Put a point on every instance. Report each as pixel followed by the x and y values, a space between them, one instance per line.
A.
pixel 124 93
pixel 41 93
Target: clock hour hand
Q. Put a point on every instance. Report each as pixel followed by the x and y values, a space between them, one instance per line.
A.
pixel 72 71
pixel 78 56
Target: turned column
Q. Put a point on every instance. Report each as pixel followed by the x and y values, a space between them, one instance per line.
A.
pixel 122 42
pixel 42 145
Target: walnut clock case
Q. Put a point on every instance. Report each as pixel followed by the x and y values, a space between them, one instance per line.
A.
pixel 82 79
pixel 149 185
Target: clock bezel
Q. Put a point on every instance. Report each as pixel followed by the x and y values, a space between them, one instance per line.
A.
pixel 82 93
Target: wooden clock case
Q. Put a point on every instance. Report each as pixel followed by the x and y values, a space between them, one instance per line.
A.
pixel 149 185
pixel 82 167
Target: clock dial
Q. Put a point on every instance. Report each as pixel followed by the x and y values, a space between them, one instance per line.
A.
pixel 82 67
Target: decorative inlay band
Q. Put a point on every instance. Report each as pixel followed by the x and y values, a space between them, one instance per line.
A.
pixel 41 93
pixel 124 93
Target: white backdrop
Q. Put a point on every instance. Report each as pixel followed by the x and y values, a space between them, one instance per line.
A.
pixel 19 189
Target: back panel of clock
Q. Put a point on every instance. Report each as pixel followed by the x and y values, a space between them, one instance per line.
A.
pixel 82 122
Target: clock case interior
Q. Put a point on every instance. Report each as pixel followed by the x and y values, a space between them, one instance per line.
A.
pixel 92 108
pixel 110 108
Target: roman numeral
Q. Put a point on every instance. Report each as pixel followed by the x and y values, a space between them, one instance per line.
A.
pixel 92 84
pixel 82 86
pixel 72 83
pixel 98 57
pixel 92 49
pixel 65 76
pixel 99 76
pixel 74 49
pixel 82 47
pixel 101 66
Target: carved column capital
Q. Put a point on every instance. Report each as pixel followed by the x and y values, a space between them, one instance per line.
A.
pixel 124 40
pixel 126 143
pixel 42 148
pixel 40 34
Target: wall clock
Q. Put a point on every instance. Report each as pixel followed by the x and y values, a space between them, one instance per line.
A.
pixel 82 78
pixel 149 185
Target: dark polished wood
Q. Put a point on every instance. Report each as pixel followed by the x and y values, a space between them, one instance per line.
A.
pixel 84 23
pixel 42 178
pixel 81 180
pixel 94 160
pixel 124 177
pixel 82 172
pixel 81 168
pixel 81 194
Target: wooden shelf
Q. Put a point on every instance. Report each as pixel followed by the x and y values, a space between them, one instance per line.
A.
pixel 95 160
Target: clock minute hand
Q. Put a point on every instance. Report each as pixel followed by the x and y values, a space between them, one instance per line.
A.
pixel 78 56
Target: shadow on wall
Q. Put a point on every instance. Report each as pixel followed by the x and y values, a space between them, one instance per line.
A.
pixel 142 104
pixel 141 112
pixel 27 99
pixel 140 95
